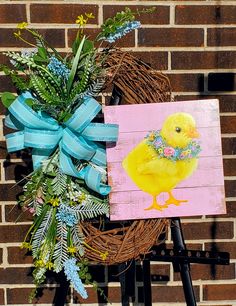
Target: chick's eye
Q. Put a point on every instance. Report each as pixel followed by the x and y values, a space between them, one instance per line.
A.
pixel 178 129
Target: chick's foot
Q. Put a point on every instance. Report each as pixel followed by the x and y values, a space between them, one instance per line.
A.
pixel 173 200
pixel 156 205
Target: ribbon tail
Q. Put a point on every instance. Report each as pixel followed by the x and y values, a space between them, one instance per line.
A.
pixel 66 165
pixel 93 179
pixel 39 155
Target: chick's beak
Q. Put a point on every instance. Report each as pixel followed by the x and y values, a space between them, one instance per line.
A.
pixel 193 133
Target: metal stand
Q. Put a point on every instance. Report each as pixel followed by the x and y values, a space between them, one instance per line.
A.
pixel 181 259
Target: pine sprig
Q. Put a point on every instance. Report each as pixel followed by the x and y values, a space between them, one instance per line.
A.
pixel 60 254
pixel 77 239
pixel 59 183
pixel 41 233
pixel 90 210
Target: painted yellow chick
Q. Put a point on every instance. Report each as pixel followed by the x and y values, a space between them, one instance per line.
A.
pixel 165 158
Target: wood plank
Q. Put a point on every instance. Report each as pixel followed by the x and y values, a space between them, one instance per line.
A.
pixel 210 141
pixel 131 118
pixel 132 204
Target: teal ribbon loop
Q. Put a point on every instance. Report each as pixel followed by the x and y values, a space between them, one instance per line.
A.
pixel 78 139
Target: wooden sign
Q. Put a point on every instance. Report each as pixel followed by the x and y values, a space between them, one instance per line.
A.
pixel 167 161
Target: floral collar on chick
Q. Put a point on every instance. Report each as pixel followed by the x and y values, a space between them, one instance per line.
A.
pixel 156 141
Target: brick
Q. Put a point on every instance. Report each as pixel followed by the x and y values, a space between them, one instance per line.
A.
pixel 230 209
pixel 219 292
pixel 6 85
pixel 228 124
pixel 21 296
pixel 187 82
pixel 229 167
pixel 229 247
pixel 160 272
pixel 55 37
pixel 170 37
pixel 13 233
pixel 159 16
pixel 203 60
pixel 14 213
pixel 168 294
pixel 208 230
pixel 207 14
pixel 221 37
pixel 127 41
pixel 61 13
pixel 8 192
pixel 2 300
pixel 16 276
pixel 17 171
pixel 112 293
pixel 157 60
pixel 227 102
pixel 8 13
pixel 221 81
pixel 210 272
pixel 230 188
pixel 8 156
pixel 16 255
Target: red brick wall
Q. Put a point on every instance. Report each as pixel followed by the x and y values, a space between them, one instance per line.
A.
pixel 194 42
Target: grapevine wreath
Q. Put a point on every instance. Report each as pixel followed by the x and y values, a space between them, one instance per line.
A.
pixel 56 116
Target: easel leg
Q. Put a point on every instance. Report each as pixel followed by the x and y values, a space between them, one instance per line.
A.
pixel 147 288
pixel 183 268
pixel 127 277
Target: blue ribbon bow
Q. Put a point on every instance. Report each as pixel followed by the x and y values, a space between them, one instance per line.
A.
pixel 76 138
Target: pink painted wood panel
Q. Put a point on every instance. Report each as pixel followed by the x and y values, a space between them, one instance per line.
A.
pixel 204 189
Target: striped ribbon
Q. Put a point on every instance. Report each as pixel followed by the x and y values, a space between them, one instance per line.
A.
pixel 77 139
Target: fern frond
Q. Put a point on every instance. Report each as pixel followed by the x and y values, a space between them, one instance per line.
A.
pixel 60 254
pixel 90 210
pixel 41 232
pixel 23 60
pixel 41 89
pixel 78 239
pixel 59 183
pixel 95 88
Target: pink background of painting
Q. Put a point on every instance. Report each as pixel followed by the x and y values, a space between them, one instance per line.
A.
pixel 204 189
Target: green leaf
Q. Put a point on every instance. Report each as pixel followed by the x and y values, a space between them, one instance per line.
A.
pixel 75 64
pixel 88 46
pixel 42 52
pixel 29 102
pixel 7 98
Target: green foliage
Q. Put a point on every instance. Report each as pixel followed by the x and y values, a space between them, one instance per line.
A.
pixel 41 232
pixel 7 99
pixel 59 183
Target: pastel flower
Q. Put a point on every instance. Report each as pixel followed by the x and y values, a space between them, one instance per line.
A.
pixel 123 30
pixel 58 68
pixel 65 216
pixel 72 275
pixel 157 143
pixel 168 151
pixel 32 210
